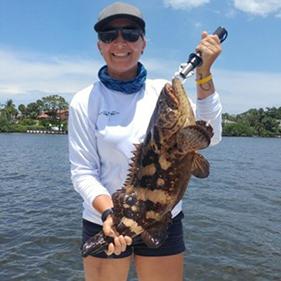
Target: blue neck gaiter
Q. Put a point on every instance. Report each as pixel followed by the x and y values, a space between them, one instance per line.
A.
pixel 126 87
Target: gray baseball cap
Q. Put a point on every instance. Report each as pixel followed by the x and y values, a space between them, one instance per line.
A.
pixel 119 10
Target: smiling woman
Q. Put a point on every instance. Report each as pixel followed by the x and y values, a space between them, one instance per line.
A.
pixel 121 45
pixel 101 145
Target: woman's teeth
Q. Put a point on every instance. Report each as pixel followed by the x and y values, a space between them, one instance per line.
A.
pixel 120 54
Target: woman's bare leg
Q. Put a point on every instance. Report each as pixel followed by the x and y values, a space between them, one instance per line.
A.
pixel 98 269
pixel 166 268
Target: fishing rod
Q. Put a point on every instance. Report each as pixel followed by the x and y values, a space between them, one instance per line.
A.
pixel 195 60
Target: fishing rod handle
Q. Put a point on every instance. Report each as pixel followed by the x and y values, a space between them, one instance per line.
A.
pixel 195 60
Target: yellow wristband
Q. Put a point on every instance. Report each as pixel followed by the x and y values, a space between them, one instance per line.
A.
pixel 204 80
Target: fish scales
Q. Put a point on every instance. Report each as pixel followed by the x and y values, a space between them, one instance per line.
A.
pixel 159 171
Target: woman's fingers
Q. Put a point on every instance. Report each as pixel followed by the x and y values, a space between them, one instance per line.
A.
pixel 110 249
pixel 128 240
pixel 209 49
pixel 120 244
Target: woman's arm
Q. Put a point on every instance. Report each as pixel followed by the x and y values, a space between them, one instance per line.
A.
pixel 208 106
pixel 209 49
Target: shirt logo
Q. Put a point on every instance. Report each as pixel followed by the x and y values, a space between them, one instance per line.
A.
pixel 109 113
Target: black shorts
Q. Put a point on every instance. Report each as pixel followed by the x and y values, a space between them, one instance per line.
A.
pixel 173 245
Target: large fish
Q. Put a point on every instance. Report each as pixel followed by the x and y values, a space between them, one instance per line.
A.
pixel 159 172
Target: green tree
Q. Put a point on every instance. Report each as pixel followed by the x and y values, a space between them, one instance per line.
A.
pixel 40 104
pixel 10 109
pixel 22 110
pixel 4 122
pixel 52 105
pixel 238 129
pixel 33 109
pixel 227 116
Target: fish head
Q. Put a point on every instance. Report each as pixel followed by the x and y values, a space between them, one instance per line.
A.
pixel 171 110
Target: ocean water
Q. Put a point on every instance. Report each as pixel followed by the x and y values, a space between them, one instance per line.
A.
pixel 232 219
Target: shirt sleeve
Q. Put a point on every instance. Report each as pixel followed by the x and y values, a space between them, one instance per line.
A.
pixel 83 156
pixel 210 110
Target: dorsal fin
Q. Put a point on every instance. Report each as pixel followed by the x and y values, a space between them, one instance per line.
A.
pixel 133 166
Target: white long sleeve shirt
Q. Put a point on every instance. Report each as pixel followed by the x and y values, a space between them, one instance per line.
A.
pixel 103 126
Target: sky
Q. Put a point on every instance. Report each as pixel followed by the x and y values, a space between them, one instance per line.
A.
pixel 48 47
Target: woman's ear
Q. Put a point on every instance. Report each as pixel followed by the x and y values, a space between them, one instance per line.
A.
pixel 144 45
pixel 99 47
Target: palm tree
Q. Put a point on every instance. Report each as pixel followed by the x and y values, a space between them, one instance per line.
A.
pixel 22 110
pixel 10 110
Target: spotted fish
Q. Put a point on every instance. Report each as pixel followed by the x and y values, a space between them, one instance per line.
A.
pixel 159 171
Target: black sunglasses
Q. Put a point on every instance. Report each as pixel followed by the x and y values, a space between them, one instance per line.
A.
pixel 128 34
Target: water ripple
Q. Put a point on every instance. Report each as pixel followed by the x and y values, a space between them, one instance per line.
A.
pixel 232 219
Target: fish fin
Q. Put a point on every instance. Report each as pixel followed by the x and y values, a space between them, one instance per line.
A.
pixel 133 167
pixel 200 166
pixel 207 127
pixel 194 137
pixel 118 201
pixel 96 244
pixel 155 236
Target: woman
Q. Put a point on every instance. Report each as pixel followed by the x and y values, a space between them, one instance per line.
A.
pixel 106 119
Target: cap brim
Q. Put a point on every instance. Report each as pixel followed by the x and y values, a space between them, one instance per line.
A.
pixel 99 26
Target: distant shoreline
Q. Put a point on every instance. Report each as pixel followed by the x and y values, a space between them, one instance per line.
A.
pixel 38 132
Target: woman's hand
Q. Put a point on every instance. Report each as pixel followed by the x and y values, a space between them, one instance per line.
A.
pixel 120 242
pixel 209 49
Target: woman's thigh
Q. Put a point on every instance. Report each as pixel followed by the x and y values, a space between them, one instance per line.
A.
pixel 165 268
pixel 100 269
pixel 167 261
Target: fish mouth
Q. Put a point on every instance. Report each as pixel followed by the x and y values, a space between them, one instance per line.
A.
pixel 172 100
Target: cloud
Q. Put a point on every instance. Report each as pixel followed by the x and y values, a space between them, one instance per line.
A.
pixel 185 4
pixel 241 90
pixel 259 7
pixel 36 74
pixel 27 77
pixel 253 7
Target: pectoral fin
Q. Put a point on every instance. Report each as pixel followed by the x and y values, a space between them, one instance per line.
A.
pixel 200 166
pixel 192 138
